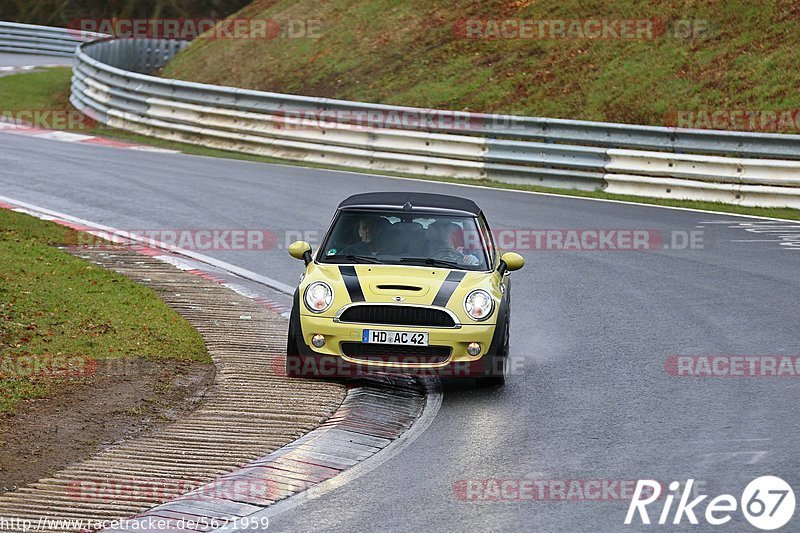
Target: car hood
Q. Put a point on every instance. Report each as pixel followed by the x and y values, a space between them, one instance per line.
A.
pixel 413 285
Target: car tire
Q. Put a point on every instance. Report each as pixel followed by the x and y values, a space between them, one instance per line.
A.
pixel 497 364
pixel 293 360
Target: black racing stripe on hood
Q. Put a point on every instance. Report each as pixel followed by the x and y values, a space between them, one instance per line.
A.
pixel 448 287
pixel 350 279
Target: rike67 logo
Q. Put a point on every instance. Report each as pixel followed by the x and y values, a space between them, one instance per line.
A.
pixel 767 503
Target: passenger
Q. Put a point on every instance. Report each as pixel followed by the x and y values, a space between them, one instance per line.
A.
pixel 442 244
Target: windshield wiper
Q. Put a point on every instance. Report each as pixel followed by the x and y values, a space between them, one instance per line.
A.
pixel 431 261
pixel 356 258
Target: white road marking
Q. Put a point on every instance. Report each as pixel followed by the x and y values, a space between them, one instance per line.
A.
pixel 755 456
pixel 63 136
pixel 786 233
pixel 718 442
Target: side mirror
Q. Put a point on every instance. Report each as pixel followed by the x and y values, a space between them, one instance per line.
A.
pixel 509 262
pixel 301 250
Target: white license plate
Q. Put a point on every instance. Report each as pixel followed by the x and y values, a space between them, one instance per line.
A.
pixel 406 338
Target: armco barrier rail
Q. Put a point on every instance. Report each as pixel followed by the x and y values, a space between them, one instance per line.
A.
pixel 112 82
pixel 44 40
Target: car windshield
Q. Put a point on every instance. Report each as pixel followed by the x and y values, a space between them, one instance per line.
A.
pixel 392 238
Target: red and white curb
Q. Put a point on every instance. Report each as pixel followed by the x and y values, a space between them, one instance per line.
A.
pixel 71 137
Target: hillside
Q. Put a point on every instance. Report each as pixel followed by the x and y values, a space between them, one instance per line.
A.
pixel 692 57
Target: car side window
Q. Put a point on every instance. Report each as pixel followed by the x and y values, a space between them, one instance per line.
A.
pixel 488 240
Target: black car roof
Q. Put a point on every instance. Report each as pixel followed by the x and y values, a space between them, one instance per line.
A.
pixel 413 201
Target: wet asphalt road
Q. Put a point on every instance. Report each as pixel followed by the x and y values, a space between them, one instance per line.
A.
pixel 15 60
pixel 591 331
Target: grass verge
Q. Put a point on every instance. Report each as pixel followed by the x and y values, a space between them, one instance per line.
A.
pixel 59 315
pixel 49 90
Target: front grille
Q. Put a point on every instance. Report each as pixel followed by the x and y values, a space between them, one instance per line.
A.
pixel 392 353
pixel 398 315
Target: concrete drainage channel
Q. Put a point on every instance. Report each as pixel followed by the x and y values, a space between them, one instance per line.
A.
pixel 259 437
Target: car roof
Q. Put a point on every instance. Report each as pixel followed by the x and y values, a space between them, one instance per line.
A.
pixel 410 201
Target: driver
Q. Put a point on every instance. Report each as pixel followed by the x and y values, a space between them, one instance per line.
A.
pixel 367 233
pixel 443 239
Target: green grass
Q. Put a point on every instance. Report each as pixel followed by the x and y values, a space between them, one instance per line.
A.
pixel 41 90
pixel 54 305
pixel 55 82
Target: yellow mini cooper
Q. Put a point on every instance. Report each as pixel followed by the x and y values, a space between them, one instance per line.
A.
pixel 404 283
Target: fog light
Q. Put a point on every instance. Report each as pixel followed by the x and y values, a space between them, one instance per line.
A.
pixel 318 340
pixel 474 348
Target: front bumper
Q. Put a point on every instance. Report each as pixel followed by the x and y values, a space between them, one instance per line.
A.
pixel 456 339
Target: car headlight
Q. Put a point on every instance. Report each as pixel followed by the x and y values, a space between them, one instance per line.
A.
pixel 318 297
pixel 479 305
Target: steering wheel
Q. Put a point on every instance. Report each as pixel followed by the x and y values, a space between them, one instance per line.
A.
pixel 448 254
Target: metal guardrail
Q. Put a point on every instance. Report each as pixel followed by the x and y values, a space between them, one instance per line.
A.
pixel 43 40
pixel 112 82
pixel 492 126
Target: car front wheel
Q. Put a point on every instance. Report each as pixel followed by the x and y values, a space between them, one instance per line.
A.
pixel 497 364
pixel 293 361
